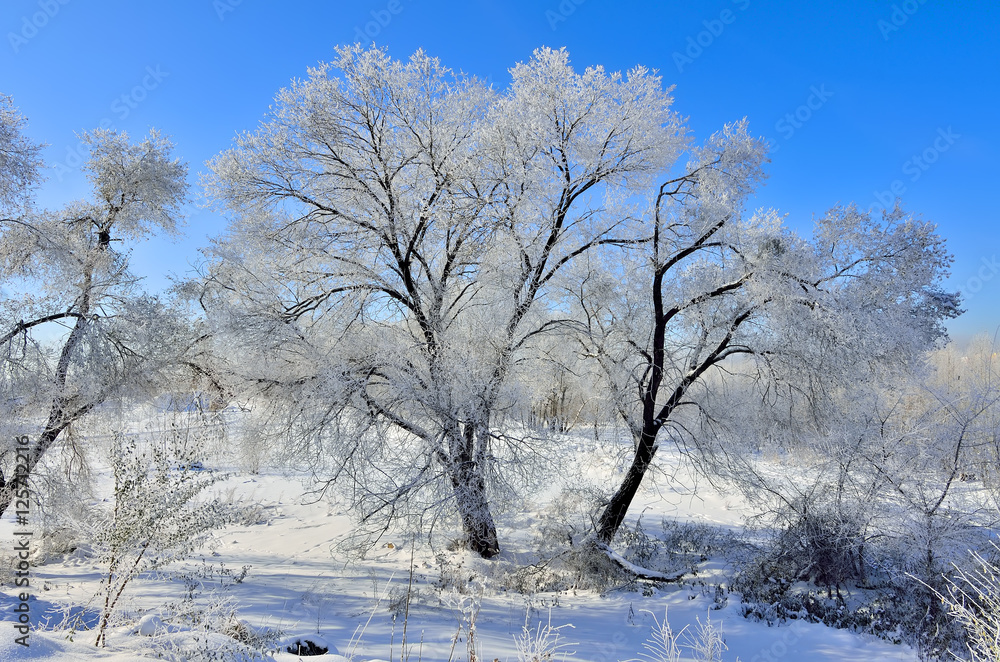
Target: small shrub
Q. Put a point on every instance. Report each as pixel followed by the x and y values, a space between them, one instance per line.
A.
pixel 157 516
pixel 678 546
pixel 822 547
pixel 973 602
pixel 541 643
pixel 704 643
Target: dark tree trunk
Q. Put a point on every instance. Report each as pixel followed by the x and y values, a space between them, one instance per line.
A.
pixel 474 508
pixel 45 440
pixel 60 415
pixel 614 513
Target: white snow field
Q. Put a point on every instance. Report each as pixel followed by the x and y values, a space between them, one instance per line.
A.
pixel 300 584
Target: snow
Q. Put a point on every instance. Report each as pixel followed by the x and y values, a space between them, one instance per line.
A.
pixel 149 625
pixel 41 647
pixel 304 586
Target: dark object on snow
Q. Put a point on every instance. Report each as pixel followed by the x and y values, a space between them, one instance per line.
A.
pixel 306 648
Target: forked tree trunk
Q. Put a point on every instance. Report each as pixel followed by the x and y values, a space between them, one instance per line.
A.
pixel 473 507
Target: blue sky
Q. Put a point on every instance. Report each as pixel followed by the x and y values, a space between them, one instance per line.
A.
pixel 859 98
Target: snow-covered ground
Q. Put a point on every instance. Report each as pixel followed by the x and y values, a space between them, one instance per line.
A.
pixel 299 582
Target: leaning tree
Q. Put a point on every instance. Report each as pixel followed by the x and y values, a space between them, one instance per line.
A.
pixel 717 299
pixel 78 328
pixel 397 230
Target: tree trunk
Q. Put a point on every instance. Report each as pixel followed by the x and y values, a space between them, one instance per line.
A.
pixel 614 513
pixel 59 417
pixel 47 438
pixel 474 508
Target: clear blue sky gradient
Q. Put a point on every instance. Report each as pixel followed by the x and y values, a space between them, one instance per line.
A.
pixel 855 97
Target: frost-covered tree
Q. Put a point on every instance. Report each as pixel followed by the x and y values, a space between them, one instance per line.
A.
pixel 716 290
pixel 397 231
pixel 20 160
pixel 884 486
pixel 964 386
pixel 77 328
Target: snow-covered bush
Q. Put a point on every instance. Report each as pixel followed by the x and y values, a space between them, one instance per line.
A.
pixel 158 512
pixel 973 601
pixel 782 583
pixel 677 545
pixel 824 547
pixel 204 646
pixel 204 623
